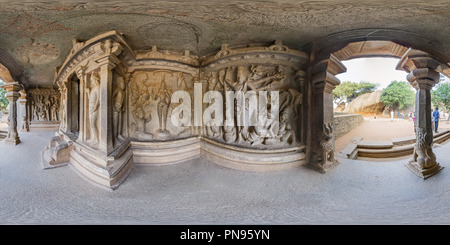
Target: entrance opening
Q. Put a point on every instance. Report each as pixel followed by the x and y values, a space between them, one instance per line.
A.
pixel 375 110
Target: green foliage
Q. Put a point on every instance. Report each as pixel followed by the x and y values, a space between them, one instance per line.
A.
pixel 347 91
pixel 440 96
pixel 3 100
pixel 398 95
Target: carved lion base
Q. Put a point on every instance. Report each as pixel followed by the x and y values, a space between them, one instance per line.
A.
pixel 324 167
pixel 57 153
pixel 424 173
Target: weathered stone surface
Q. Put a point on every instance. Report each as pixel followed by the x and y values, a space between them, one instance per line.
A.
pixel 117 89
pixel 118 108
pixel 345 122
pixel 366 104
pixel 202 26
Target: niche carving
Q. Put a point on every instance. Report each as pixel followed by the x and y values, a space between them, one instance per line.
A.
pixel 44 105
pixel 151 106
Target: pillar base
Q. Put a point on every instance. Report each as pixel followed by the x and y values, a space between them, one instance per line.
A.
pixel 12 141
pixel 323 168
pixel 424 173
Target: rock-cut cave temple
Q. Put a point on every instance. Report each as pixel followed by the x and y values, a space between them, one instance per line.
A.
pixel 125 83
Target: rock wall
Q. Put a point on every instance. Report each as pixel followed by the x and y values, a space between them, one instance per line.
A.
pixel 369 103
pixel 345 122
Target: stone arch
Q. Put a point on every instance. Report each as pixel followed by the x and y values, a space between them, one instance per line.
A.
pixel 421 57
pixel 364 49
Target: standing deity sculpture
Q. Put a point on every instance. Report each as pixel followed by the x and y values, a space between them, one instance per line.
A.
pixel 94 104
pixel 54 109
pixel 46 107
pixel 118 99
pixel 63 110
pixel 163 95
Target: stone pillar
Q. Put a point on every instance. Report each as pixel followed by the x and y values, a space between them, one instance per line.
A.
pixel 23 111
pixel 12 94
pixel 422 75
pixel 105 117
pixel 321 137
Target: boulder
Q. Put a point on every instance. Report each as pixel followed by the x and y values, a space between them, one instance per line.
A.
pixel 369 104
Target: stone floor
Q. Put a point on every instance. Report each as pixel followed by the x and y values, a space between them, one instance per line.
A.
pixel 199 192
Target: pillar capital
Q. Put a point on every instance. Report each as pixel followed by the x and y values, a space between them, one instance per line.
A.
pixel 415 59
pixel 23 94
pixel 323 74
pixel 423 78
pixel 13 87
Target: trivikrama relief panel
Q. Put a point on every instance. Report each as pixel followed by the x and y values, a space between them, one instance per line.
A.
pixel 276 80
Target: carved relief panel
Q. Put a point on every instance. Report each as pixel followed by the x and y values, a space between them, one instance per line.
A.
pixel 152 104
pixel 269 113
pixel 44 105
pixel 92 109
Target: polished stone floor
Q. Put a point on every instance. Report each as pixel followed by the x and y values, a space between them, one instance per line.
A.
pixel 199 192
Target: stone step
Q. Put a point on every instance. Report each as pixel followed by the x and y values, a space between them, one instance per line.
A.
pixel 375 144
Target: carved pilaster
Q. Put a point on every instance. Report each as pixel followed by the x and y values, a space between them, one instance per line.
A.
pixel 82 76
pixel 422 76
pixel 105 131
pixel 321 137
pixel 12 94
pixel 23 111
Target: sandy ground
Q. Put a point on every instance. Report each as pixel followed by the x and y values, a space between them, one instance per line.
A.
pixel 382 129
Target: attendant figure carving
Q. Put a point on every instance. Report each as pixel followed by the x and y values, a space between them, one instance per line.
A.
pixel 94 104
pixel 163 95
pixel 118 98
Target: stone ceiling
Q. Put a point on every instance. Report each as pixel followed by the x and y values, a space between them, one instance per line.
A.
pixel 36 37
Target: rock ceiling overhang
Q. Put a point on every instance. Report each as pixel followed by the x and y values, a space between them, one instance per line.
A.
pixel 36 37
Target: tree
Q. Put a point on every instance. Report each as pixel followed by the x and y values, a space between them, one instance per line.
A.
pixel 3 100
pixel 347 91
pixel 440 95
pixel 398 95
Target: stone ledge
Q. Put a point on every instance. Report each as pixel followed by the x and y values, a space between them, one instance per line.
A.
pixel 398 147
pixel 109 172
pixel 375 144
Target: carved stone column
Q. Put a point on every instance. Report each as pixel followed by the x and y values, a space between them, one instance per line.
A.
pixel 321 135
pixel 422 76
pixel 81 74
pixel 63 106
pixel 23 111
pixel 12 94
pixel 105 131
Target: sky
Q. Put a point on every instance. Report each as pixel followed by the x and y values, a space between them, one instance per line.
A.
pixel 375 70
